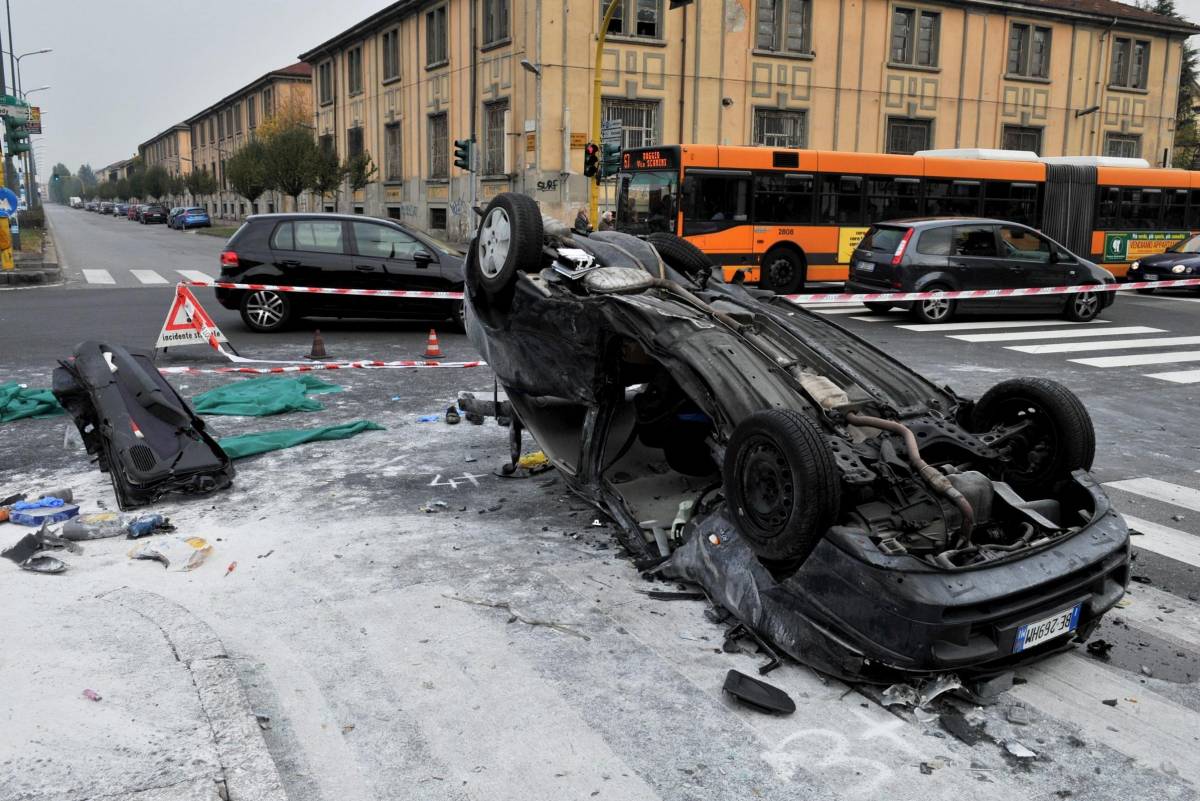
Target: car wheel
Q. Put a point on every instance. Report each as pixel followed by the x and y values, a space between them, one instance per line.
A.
pixel 1058 438
pixel 781 483
pixel 456 317
pixel 680 254
pixel 934 310
pixel 877 307
pixel 1082 307
pixel 1147 291
pixel 782 271
pixel 266 311
pixel 509 239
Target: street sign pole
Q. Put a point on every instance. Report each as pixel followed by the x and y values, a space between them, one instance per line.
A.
pixel 594 186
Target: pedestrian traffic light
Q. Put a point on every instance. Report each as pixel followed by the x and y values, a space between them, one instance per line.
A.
pixel 462 154
pixel 16 138
pixel 610 161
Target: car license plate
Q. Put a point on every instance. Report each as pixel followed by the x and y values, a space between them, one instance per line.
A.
pixel 865 267
pixel 1039 631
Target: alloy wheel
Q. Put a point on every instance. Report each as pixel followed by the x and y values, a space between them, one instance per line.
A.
pixel 494 239
pixel 1086 304
pixel 935 308
pixel 265 309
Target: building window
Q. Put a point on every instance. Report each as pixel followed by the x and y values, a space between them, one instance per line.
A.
pixel 915 34
pixel 393 169
pixel 268 103
pixel 211 138
pixel 237 117
pixel 354 142
pixel 1123 145
pixel 200 131
pixel 783 26
pixel 439 146
pixel 905 135
pixel 1020 137
pixel 325 82
pixel 391 55
pixel 437 219
pixel 1028 50
pixel 635 18
pixel 326 144
pixel 493 137
pixel 435 37
pixel 354 78
pixel 777 128
pixel 495 21
pixel 638 118
pixel 221 127
pixel 251 113
pixel 1130 63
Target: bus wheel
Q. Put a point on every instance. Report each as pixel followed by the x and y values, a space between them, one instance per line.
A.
pixel 782 271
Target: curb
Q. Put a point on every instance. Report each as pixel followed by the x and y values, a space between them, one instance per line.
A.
pixel 249 771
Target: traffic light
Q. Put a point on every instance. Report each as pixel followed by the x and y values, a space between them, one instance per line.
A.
pixel 463 150
pixel 15 113
pixel 591 159
pixel 610 163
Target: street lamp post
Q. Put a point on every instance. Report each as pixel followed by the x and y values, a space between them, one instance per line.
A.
pixel 30 161
pixel 594 186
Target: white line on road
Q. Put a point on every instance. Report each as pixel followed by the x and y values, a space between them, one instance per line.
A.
pixel 1107 344
pixel 1178 377
pixel 1165 541
pixel 98 277
pixel 1058 333
pixel 1139 359
pixel 1145 611
pixel 1156 490
pixel 1174 297
pixel 148 277
pixel 981 324
pixel 835 311
pixel 195 275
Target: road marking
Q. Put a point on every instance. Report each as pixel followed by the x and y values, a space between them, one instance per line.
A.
pixel 1145 612
pixel 1107 344
pixel 1178 377
pixel 1173 297
pixel 1165 541
pixel 835 311
pixel 1156 490
pixel 1058 333
pixel 1138 359
pixel 148 277
pixel 194 275
pixel 981 324
pixel 1153 730
pixel 98 277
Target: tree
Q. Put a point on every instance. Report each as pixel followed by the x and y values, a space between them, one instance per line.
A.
pixel 106 190
pixel 360 170
pixel 1187 127
pixel 59 183
pixel 157 181
pixel 123 188
pixel 327 174
pixel 247 172
pixel 199 182
pixel 290 113
pixel 289 160
pixel 137 184
pixel 86 176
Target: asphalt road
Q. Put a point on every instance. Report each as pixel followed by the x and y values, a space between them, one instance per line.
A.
pixel 356 623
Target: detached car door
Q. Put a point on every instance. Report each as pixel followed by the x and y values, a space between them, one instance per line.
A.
pixel 312 252
pixel 387 257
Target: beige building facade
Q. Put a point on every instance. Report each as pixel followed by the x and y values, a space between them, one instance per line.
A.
pixel 1061 77
pixel 220 130
pixel 170 150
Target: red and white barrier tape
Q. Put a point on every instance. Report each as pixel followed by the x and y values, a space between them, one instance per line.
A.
pixel 313 368
pixel 967 294
pixel 321 290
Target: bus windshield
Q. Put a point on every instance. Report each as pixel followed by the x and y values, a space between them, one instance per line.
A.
pixel 647 201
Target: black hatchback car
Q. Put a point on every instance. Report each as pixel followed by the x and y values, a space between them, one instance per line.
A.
pixel 924 255
pixel 1181 260
pixel 341 251
pixel 153 213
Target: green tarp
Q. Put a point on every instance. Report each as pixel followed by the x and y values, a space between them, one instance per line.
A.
pixel 253 444
pixel 261 397
pixel 17 402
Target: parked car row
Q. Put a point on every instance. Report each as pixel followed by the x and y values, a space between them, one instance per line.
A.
pixel 181 218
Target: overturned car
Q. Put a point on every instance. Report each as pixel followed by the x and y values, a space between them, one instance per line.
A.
pixel 860 517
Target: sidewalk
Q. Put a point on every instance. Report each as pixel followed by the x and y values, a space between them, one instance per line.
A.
pixel 173 723
pixel 35 268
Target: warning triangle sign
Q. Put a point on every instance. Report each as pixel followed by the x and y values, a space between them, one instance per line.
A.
pixel 188 323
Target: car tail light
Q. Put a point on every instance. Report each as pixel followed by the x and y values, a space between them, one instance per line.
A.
pixel 899 254
pixel 229 259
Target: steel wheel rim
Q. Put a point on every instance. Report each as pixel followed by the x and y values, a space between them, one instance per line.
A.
pixel 935 308
pixel 767 488
pixel 494 239
pixel 265 309
pixel 779 272
pixel 1085 303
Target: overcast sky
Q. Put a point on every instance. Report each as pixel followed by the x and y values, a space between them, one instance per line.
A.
pixel 125 70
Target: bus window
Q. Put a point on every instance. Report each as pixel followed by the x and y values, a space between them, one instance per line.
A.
pixel 1108 207
pixel 946 198
pixel 646 202
pixel 1192 221
pixel 1018 202
pixel 893 198
pixel 1140 208
pixel 783 198
pixel 715 200
pixel 842 199
pixel 1174 208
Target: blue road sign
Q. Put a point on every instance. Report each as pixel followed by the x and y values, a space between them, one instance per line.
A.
pixel 8 202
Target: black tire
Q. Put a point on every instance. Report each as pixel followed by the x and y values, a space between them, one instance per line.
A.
pixel 266 311
pixel 457 322
pixel 782 271
pixel 934 311
pixel 680 255
pixel 509 239
pixel 1060 440
pixel 1082 307
pixel 877 306
pixel 781 483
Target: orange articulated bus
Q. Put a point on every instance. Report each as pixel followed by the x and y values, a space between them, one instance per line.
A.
pixel 786 217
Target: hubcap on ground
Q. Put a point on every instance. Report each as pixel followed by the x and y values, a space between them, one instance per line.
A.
pixel 1085 303
pixel 494 240
pixel 265 308
pixel 767 486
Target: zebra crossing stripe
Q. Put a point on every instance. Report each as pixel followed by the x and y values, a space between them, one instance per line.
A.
pixel 1107 344
pixel 980 325
pixel 1165 541
pixel 1178 377
pixel 193 275
pixel 98 277
pixel 1156 490
pixel 1058 333
pixel 148 277
pixel 1139 359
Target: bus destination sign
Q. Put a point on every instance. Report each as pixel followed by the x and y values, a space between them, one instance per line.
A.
pixel 660 158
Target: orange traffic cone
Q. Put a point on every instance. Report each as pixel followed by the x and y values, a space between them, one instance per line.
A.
pixel 432 349
pixel 318 346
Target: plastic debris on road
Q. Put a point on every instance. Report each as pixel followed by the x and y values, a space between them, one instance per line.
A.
pixel 178 554
pixel 18 402
pixel 100 525
pixel 92 695
pixel 262 397
pixel 40 512
pixel 244 445
pixel 1019 750
pixel 531 461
